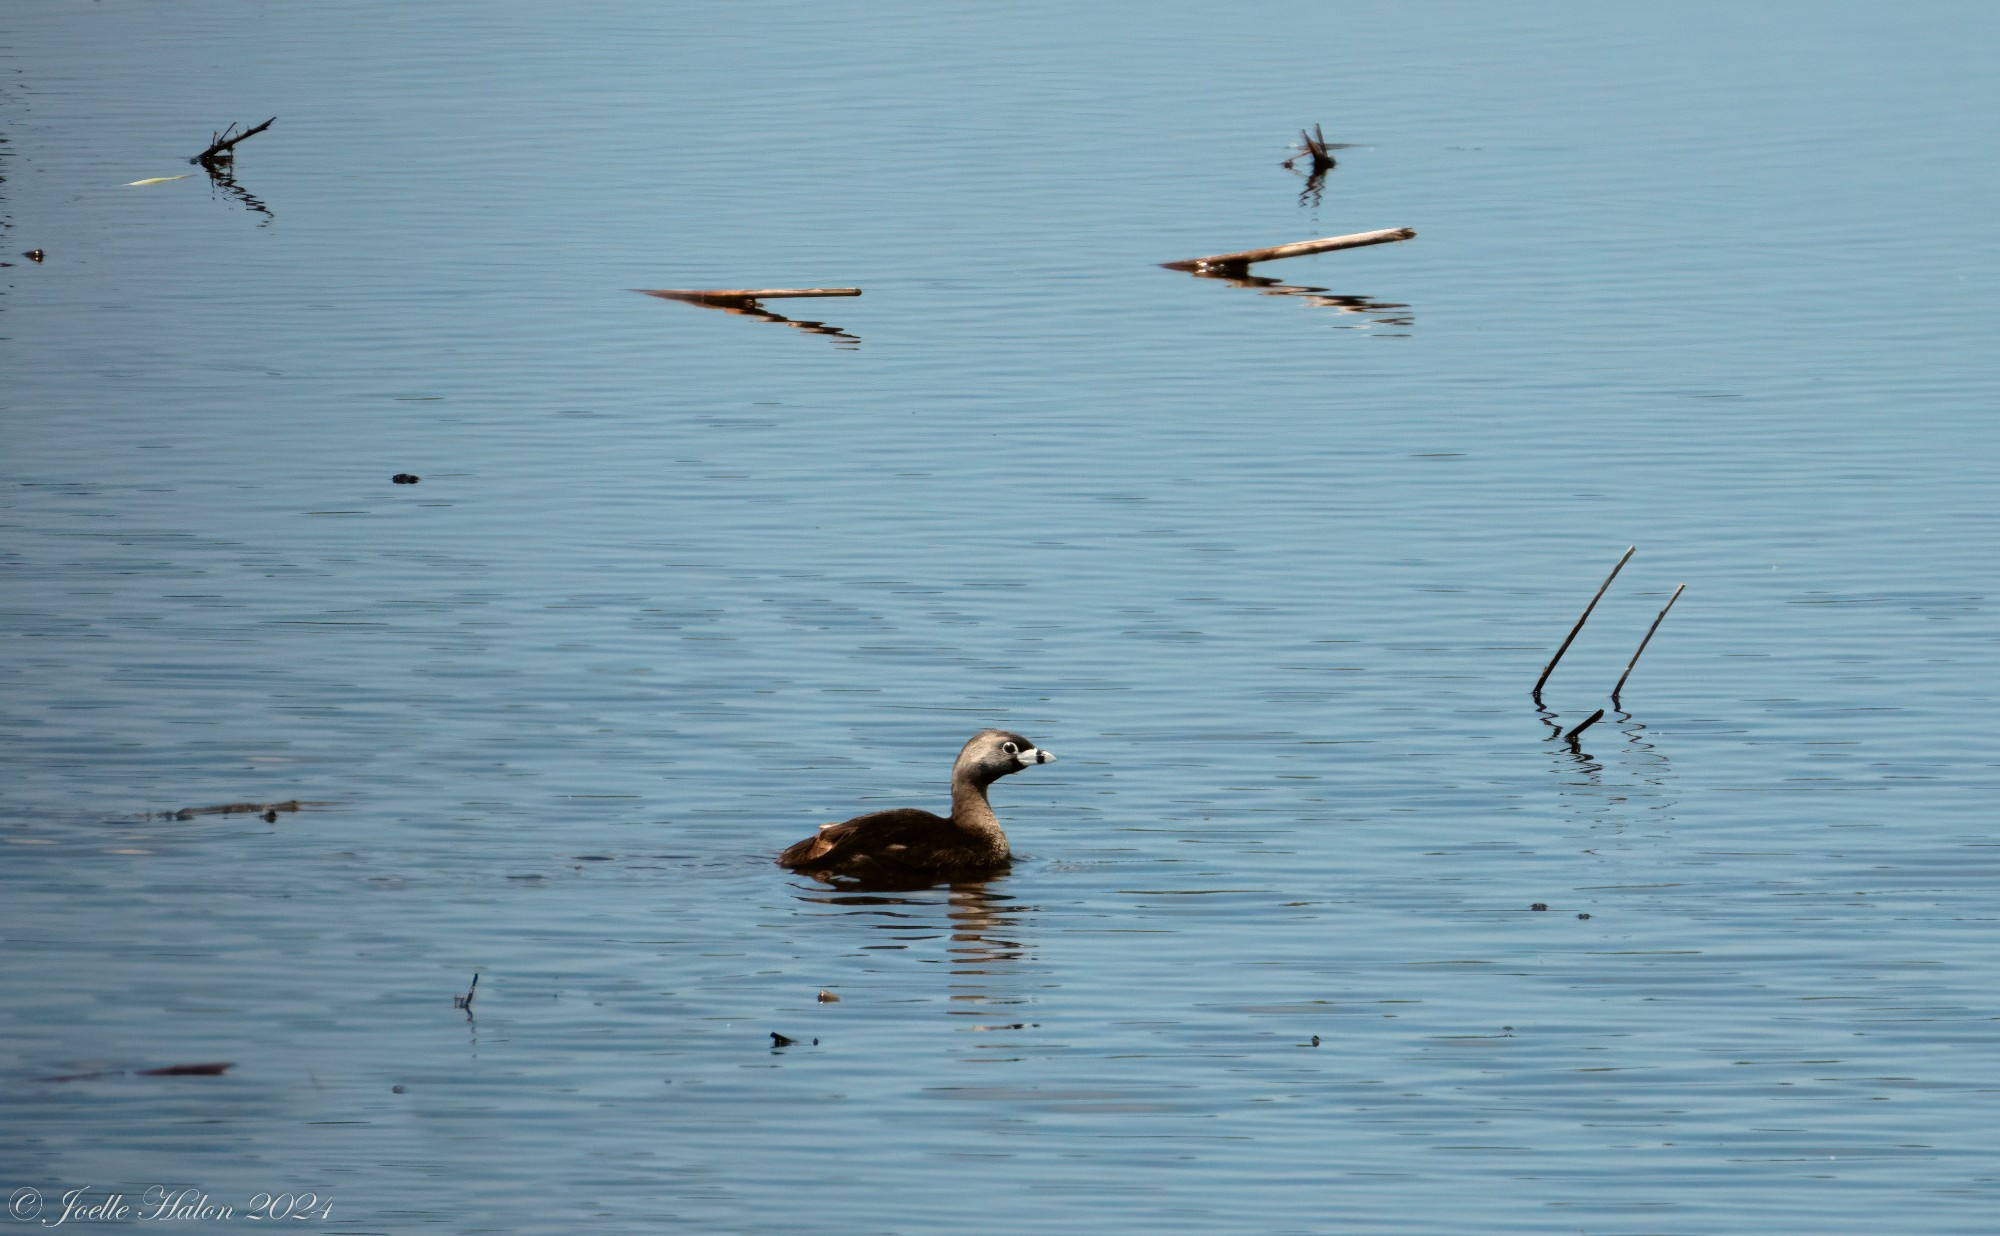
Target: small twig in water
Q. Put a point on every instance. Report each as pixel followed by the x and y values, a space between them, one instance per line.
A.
pixel 1642 643
pixel 1588 721
pixel 1550 668
pixel 1315 149
pixel 465 1001
pixel 219 148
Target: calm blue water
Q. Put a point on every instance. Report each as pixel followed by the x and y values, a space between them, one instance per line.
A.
pixel 1273 576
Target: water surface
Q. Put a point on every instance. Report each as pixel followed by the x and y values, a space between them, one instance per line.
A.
pixel 1271 573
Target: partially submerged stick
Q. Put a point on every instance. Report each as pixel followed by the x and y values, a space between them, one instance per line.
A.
pixel 736 294
pixel 1314 147
pixel 1587 722
pixel 1300 248
pixel 220 147
pixel 1550 668
pixel 1642 643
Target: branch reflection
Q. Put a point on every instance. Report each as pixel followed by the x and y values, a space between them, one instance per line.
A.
pixel 751 308
pixel 1376 312
pixel 222 176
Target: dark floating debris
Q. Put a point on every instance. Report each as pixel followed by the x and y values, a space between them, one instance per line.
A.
pixel 270 817
pixel 1539 905
pixel 1583 916
pixel 219 161
pixel 465 1001
pixel 745 302
pixel 1585 724
pixel 190 1070
pixel 34 255
pixel 827 997
pixel 1550 668
pixel 1236 261
pixel 1642 643
pixel 406 478
pixel 222 147
pixel 1314 146
pixel 779 1040
pixel 215 1069
pixel 268 810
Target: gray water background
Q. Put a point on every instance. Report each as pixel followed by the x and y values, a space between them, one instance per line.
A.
pixel 1272 577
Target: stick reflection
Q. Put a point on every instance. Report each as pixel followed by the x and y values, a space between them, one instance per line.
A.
pixel 750 307
pixel 222 176
pixel 1376 312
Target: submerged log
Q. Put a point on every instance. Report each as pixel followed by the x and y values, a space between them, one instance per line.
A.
pixel 1300 248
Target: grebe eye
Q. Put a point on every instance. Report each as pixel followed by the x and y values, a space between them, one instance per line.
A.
pixel 1011 749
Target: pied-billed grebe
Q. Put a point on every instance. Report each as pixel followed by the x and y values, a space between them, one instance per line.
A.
pixel 908 844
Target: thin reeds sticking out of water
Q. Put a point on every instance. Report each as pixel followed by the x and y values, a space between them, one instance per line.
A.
pixel 1550 668
pixel 1642 643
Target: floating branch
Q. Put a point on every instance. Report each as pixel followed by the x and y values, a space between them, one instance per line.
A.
pixel 1550 668
pixel 219 148
pixel 1642 643
pixel 1356 240
pixel 1587 722
pixel 718 295
pixel 465 1001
